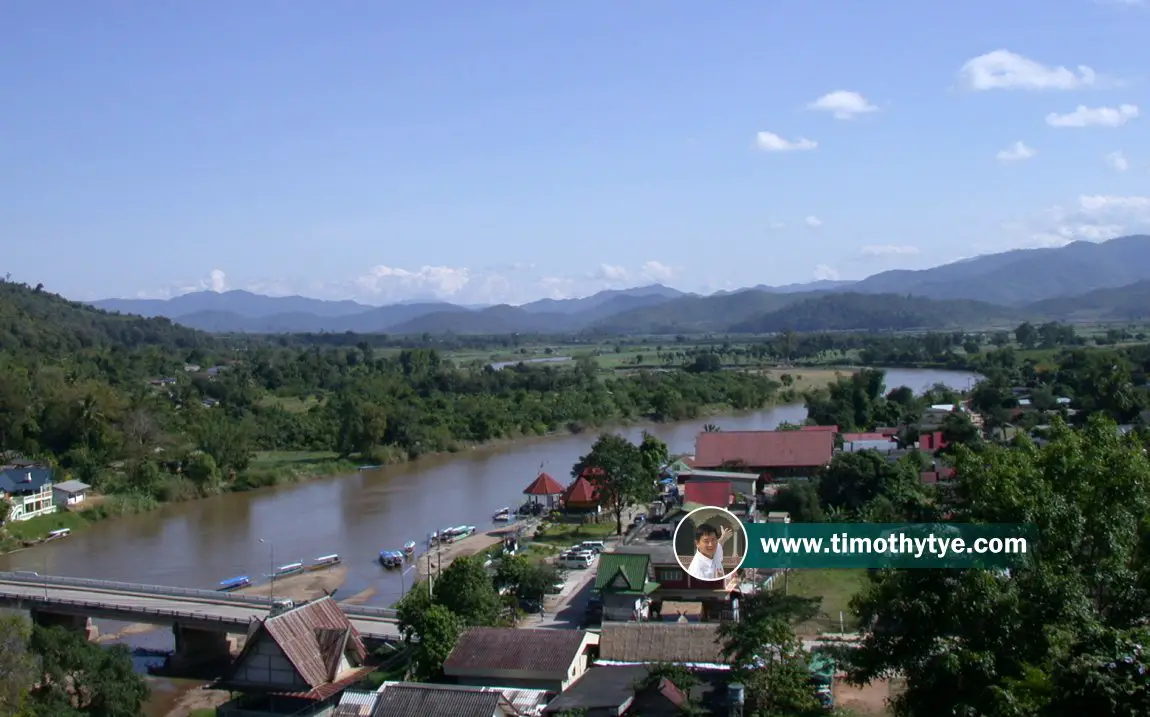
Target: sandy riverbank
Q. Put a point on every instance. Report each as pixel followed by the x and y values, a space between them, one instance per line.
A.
pixel 442 556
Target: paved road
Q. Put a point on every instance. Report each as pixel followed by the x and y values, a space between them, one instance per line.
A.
pixel 161 610
pixel 569 608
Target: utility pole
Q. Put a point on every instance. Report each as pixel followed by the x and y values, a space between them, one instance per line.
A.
pixel 271 568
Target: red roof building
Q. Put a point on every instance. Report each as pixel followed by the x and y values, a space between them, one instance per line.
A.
pixel 544 485
pixel 931 442
pixel 778 453
pixel 828 429
pixel 716 493
pixel 581 495
pixel 941 475
pixel 876 436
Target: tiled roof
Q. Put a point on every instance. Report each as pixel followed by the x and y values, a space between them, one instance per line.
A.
pixel 660 642
pixel 313 637
pixel 501 649
pixel 409 699
pixel 716 493
pixel 600 688
pixel 633 567
pixel 765 449
pixel 580 491
pixel 852 437
pixel 828 429
pixel 544 485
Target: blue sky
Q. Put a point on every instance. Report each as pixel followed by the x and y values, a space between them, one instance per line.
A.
pixel 506 151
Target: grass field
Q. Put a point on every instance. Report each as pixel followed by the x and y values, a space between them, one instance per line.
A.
pixel 564 534
pixel 836 588
pixel 37 528
pixel 292 459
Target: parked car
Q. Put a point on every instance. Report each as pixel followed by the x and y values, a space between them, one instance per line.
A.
pixel 660 534
pixel 530 606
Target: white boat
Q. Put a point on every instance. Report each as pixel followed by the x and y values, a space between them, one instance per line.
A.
pixel 288 569
pixel 503 514
pixel 409 547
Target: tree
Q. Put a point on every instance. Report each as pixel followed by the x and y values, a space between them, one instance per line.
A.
pixel 767 656
pixel 439 630
pixel 801 500
pixel 83 678
pixel 465 589
pixel 853 479
pixel 620 474
pixel 17 665
pixel 525 579
pixel 1051 637
pixel 1026 335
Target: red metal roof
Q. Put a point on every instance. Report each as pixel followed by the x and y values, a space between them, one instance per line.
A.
pixel 830 429
pixel 580 491
pixel 765 449
pixel 716 493
pixel 943 474
pixel 544 485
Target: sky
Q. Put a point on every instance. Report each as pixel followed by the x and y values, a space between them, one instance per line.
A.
pixel 509 151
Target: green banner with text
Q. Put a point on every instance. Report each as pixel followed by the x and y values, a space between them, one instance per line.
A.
pixel 887 545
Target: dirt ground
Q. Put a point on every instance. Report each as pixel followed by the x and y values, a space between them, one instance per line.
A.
pixel 442 557
pixel 867 701
pixel 304 586
pixel 197 699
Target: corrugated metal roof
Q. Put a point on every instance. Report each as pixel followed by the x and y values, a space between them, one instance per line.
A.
pixel 633 567
pixel 513 649
pixel 71 486
pixel 766 449
pixel 408 700
pixel 661 642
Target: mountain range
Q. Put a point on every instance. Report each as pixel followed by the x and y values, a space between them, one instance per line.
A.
pixel 1082 281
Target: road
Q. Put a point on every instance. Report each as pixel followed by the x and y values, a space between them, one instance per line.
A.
pixel 568 609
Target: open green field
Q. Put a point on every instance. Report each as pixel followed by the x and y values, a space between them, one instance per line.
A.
pixel 37 528
pixel 836 587
pixel 565 534
pixel 286 459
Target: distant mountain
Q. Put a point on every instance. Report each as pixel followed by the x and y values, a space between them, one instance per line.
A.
pixel 1125 303
pixel 240 303
pixel 876 312
pixel 1024 276
pixel 1102 281
pixel 639 296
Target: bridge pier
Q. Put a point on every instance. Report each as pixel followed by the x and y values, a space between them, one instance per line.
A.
pixel 199 649
pixel 76 623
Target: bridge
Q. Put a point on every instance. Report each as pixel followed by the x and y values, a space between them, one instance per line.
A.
pixel 201 620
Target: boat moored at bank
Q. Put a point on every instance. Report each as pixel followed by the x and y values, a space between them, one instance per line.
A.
pixel 241 581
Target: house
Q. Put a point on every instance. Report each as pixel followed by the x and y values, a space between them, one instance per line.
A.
pixel 708 492
pixel 778 516
pixel 931 442
pixel 827 429
pixel 29 490
pixel 401 699
pixel 649 643
pixel 881 444
pixel 295 662
pixel 537 658
pixel 614 691
pixel 941 475
pixel 671 582
pixel 70 492
pixel 774 455
pixel 623 583
pixel 740 483
pixel 581 495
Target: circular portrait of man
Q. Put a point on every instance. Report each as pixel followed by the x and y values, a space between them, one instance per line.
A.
pixel 710 543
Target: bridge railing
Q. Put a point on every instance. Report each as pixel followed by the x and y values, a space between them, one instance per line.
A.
pixel 176 615
pixel 167 591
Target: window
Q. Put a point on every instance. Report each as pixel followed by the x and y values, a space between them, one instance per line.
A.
pixel 668 575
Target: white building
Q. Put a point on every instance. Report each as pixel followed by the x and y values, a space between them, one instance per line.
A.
pixel 70 492
pixel 29 490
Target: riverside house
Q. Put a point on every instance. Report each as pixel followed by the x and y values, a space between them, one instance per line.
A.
pixel 29 490
pixel 774 455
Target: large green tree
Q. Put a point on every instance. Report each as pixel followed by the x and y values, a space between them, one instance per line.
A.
pixel 1055 636
pixel 82 678
pixel 623 474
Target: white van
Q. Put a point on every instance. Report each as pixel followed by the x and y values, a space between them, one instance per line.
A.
pixel 578 562
pixel 595 546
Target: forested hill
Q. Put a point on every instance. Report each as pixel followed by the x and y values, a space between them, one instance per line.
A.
pixel 876 312
pixel 36 321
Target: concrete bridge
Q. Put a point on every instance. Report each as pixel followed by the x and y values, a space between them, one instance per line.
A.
pixel 201 620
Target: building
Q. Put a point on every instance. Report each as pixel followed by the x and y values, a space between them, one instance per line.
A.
pixel 538 659
pixel 402 699
pixel 717 493
pixel 773 455
pixel 693 645
pixel 29 490
pixel 296 662
pixel 70 492
pixel 623 582
pixel 581 495
pixel 671 582
pixel 544 490
pixel 931 442
pixel 740 484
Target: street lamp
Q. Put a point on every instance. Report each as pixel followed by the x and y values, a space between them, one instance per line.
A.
pixel 402 582
pixel 271 567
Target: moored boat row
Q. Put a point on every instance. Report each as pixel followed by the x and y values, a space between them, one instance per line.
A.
pixel 243 581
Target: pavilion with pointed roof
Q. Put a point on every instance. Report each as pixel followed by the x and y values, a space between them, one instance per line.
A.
pixel 544 489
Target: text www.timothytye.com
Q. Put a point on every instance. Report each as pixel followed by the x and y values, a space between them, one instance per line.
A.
pixel 930 547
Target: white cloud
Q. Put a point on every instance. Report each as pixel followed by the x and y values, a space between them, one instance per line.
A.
pixel 1016 152
pixel 889 250
pixel 217 280
pixel 657 271
pixel 813 221
pixel 610 272
pixel 1084 116
pixel 843 104
pixel 1117 161
pixel 771 142
pixel 1006 70
pixel 1094 218
pixel 426 282
pixel 825 272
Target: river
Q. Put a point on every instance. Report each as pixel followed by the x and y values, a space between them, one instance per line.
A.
pixel 199 543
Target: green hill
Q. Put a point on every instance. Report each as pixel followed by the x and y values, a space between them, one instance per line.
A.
pixel 691 314
pixel 1125 303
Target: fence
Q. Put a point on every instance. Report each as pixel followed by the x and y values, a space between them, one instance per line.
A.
pixel 133 611
pixel 215 596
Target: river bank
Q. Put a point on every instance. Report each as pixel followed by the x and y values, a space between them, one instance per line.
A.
pixel 275 468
